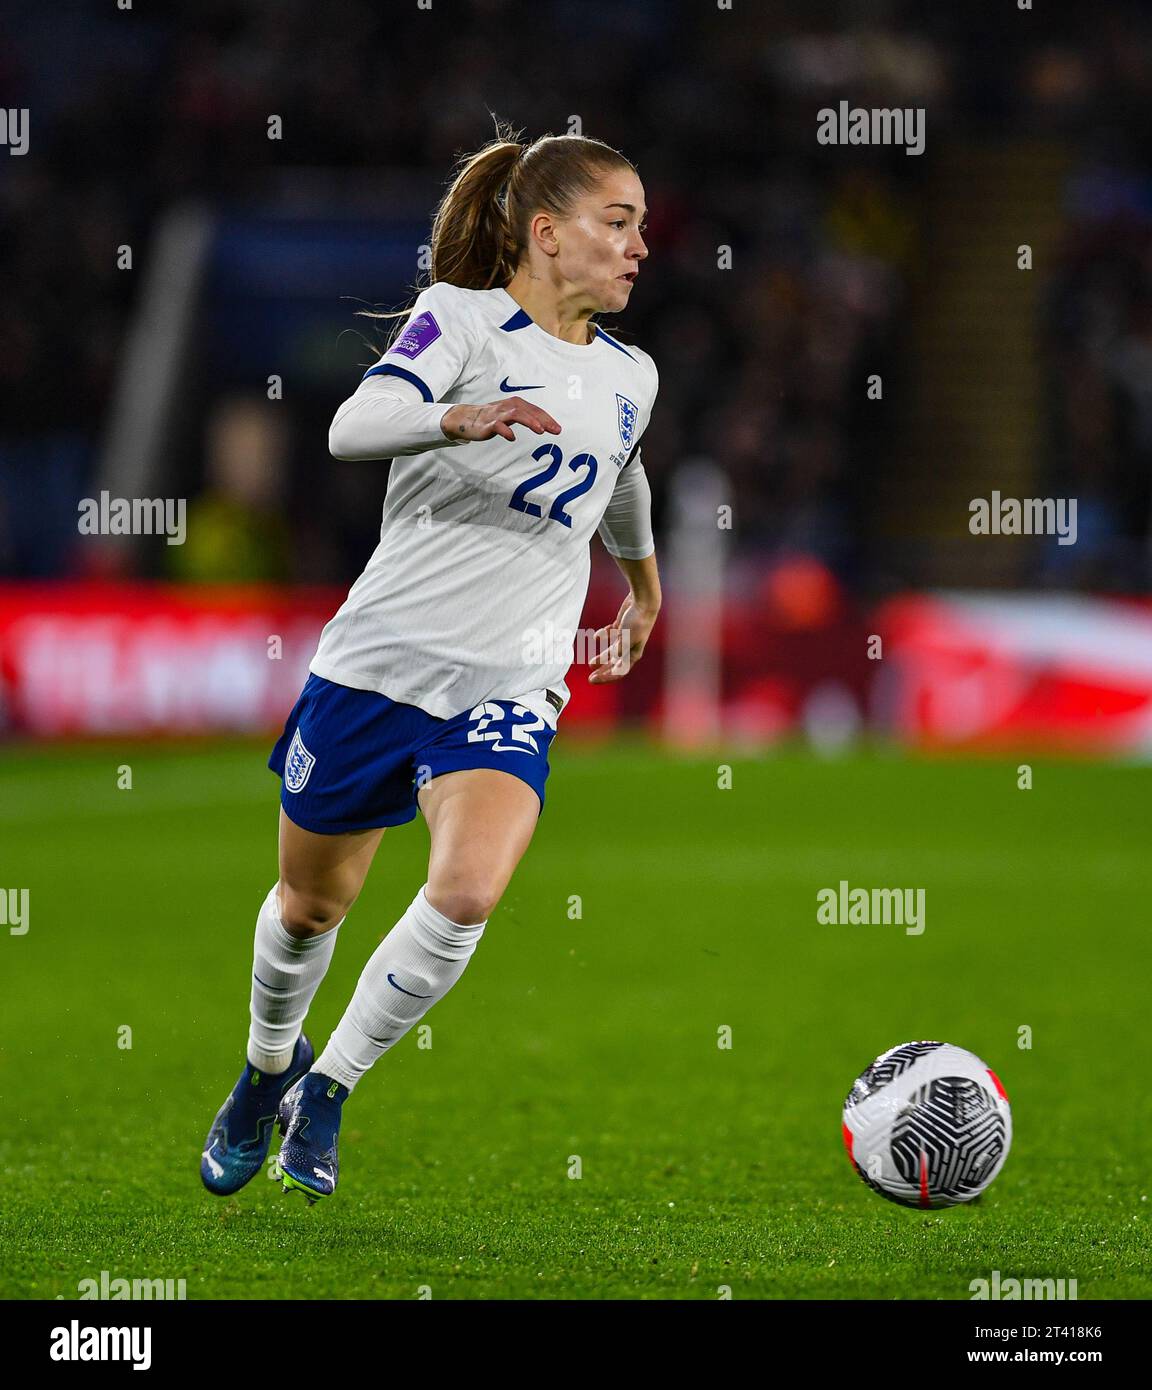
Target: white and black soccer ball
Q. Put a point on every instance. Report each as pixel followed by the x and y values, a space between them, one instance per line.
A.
pixel 928 1125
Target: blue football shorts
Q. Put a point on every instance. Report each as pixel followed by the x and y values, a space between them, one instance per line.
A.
pixel 354 759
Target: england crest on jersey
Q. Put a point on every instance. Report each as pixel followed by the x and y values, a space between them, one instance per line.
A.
pixel 298 764
pixel 626 418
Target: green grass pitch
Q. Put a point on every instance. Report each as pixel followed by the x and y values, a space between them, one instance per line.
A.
pixel 702 1167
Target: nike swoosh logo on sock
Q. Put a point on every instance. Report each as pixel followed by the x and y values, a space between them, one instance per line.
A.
pixel 402 990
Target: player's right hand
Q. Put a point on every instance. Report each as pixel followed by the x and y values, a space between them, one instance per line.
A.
pixel 475 422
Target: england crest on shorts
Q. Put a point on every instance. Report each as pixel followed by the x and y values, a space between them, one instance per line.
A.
pixel 626 418
pixel 298 764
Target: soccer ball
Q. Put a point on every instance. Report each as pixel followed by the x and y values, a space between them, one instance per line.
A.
pixel 928 1125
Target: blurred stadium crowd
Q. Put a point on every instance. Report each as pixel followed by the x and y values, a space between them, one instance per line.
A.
pixel 761 365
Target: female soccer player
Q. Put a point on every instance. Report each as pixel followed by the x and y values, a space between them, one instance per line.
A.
pixel 514 422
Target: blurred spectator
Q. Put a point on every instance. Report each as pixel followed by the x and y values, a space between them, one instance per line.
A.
pixel 236 530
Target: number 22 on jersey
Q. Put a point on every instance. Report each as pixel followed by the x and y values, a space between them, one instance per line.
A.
pixel 556 512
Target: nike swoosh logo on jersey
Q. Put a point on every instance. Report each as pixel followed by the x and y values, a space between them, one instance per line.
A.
pixel 510 748
pixel 505 387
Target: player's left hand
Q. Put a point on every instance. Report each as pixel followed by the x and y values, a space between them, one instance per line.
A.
pixel 621 643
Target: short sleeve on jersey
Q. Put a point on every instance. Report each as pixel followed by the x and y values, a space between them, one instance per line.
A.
pixel 434 346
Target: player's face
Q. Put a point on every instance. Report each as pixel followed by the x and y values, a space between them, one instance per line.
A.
pixel 601 245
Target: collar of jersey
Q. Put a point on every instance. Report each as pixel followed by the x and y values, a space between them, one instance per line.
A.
pixel 582 350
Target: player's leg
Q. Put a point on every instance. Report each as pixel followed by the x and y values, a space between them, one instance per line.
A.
pixel 480 821
pixel 320 878
pixel 321 875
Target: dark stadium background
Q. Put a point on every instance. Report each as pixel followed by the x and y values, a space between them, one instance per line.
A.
pixel 249 258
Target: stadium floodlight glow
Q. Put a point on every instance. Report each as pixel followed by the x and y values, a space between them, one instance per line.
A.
pixel 927 1125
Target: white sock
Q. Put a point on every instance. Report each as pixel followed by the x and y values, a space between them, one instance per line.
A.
pixel 425 954
pixel 286 973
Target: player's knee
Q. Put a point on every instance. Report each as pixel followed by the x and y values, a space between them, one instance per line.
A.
pixel 464 904
pixel 308 914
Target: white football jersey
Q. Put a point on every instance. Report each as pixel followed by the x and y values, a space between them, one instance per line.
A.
pixel 477 585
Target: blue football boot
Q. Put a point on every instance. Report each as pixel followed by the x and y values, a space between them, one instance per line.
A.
pixel 241 1133
pixel 310 1124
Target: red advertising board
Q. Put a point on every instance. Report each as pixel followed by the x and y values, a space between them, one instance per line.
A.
pixel 1052 671
pixel 84 659
pixel 963 671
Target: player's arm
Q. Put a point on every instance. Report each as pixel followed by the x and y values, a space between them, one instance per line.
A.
pixel 399 407
pixel 643 583
pixel 626 531
pixel 388 417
